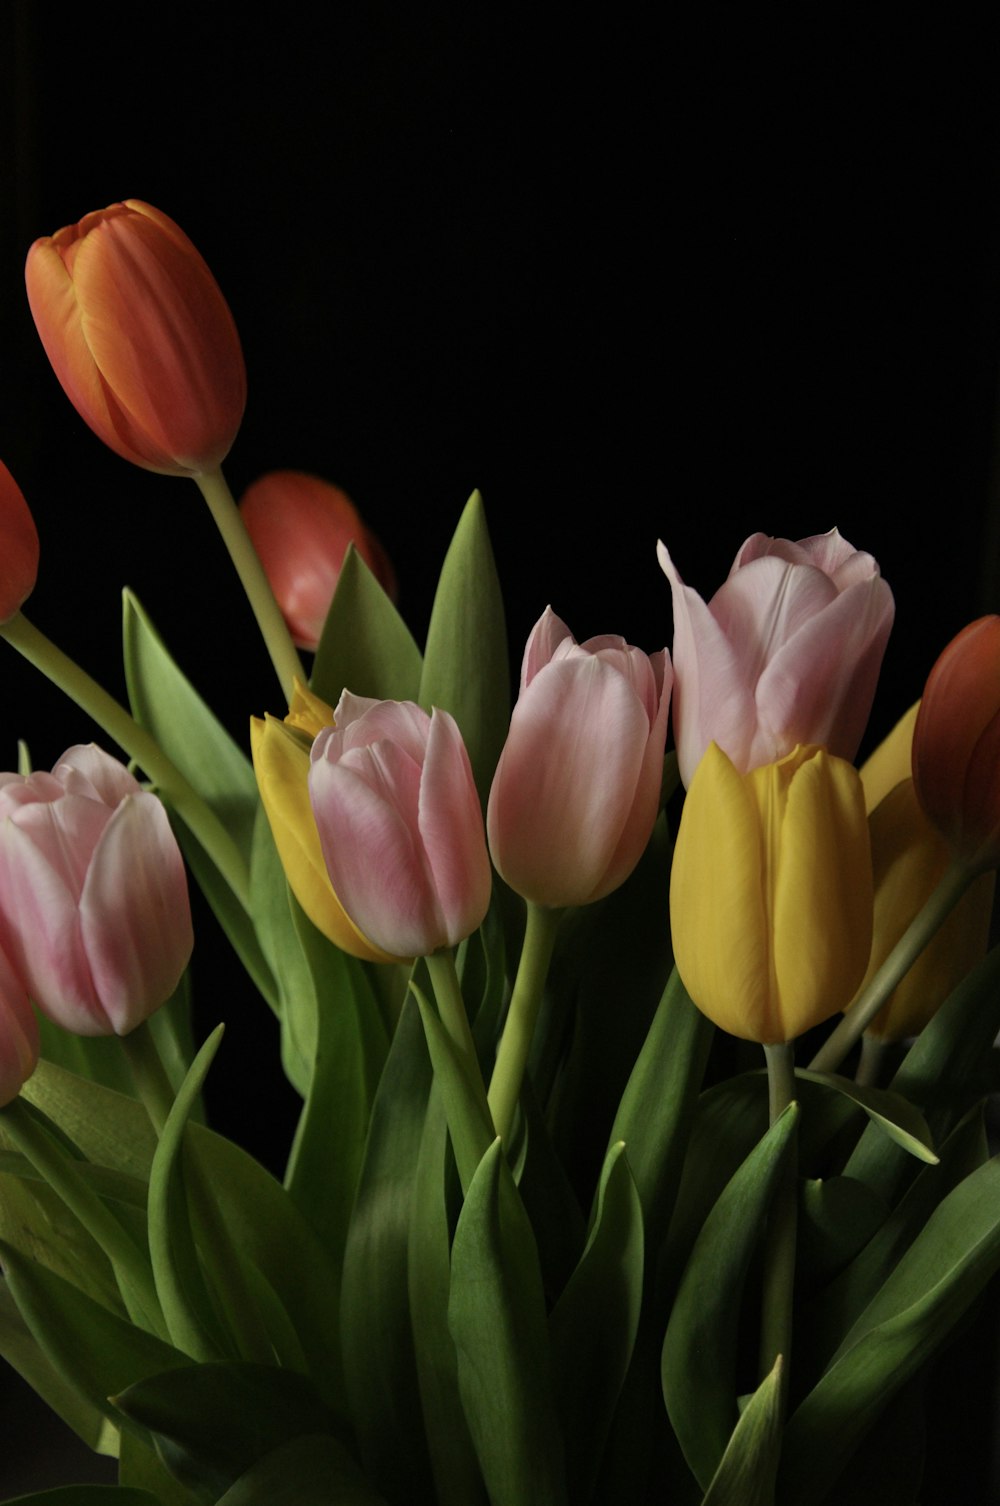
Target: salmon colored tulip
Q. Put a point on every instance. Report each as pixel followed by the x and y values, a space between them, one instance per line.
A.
pixel 301 527
pixel 140 337
pixel 787 651
pixel 18 1034
pixel 577 788
pixel 400 824
pixel 956 745
pixel 18 547
pixel 281 763
pixel 771 892
pixel 94 913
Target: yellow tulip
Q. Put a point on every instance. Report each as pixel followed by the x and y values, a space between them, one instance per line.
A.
pixel 909 858
pixel 771 892
pixel 281 763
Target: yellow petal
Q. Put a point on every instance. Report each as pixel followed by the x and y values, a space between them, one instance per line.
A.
pixel 717 911
pixel 890 763
pixel 308 712
pixel 281 765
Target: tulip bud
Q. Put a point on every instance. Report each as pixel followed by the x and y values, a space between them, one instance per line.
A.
pixel 18 1034
pixel 956 745
pixel 577 788
pixel 301 527
pixel 281 764
pixel 771 892
pixel 18 547
pixel 94 912
pixel 787 651
pixel 140 337
pixel 400 824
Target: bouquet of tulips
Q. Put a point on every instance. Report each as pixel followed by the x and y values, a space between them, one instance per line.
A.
pixel 552 1231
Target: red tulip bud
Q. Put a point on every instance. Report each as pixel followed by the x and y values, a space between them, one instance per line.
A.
pixel 18 547
pixel 140 337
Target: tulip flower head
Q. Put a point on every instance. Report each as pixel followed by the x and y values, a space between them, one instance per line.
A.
pixel 18 1034
pixel 771 892
pixel 956 745
pixel 577 788
pixel 787 651
pixel 301 527
pixel 400 824
pixel 140 337
pixel 94 913
pixel 18 547
pixel 281 764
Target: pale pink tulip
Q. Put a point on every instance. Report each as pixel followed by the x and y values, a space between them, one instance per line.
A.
pixel 577 787
pixel 787 651
pixel 18 1034
pixel 400 824
pixel 94 911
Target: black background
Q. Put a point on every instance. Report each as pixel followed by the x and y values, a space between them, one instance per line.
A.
pixel 636 276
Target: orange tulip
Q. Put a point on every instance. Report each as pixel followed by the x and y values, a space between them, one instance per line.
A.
pixel 956 745
pixel 18 547
pixel 301 527
pixel 140 337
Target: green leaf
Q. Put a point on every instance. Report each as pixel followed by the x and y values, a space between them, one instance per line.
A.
pixel 594 1324
pixel 306 1472
pixel 165 702
pixel 294 995
pixel 91 1348
pixel 837 1218
pixel 86 1495
pixel 496 1314
pixel 466 668
pixel 23 1352
pixel 746 1472
pixel 140 1466
pixel 366 646
pixel 915 1310
pixel 471 1133
pixel 212 1422
pixel 699 1351
pixel 379 1365
pixel 351 1049
pixel 893 1114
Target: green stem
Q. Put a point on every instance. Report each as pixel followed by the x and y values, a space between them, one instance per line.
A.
pixel 137 743
pixel 451 1009
pixel 779 1251
pixel 870 1064
pixel 149 1074
pixel 274 630
pixel 522 1015
pixel 30 1132
pixel 954 882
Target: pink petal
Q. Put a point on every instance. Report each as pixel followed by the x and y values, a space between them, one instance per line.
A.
pixel 87 770
pixel 548 634
pixel 764 605
pixel 451 830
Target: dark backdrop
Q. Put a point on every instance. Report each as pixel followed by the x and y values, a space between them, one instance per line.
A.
pixel 689 277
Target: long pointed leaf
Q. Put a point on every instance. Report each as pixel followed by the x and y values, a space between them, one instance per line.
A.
pixel 365 647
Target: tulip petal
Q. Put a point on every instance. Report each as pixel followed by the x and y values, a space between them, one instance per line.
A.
pixel 548 635
pixel 451 829
pixel 763 606
pixel 959 703
pixel 891 761
pixel 87 770
pixel 135 919
pixel 18 547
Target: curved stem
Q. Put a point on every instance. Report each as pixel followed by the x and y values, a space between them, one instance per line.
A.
pixel 870 1065
pixel 284 656
pixel 955 880
pixel 522 1015
pixel 779 1252
pixel 451 1008
pixel 149 1074
pixel 137 743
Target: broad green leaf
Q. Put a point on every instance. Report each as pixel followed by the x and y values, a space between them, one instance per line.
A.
pixel 893 1114
pixel 351 1049
pixel 379 1365
pixel 308 1471
pixel 593 1325
pixel 212 1422
pixel 466 669
pixel 167 705
pixel 699 1351
pixel 496 1314
pixel 140 1466
pixel 91 1348
pixel 294 996
pixel 23 1352
pixel 746 1472
pixel 468 1124
pixel 915 1310
pixel 191 1321
pixel 101 1058
pixel 111 1129
pixel 365 647
pixel 837 1218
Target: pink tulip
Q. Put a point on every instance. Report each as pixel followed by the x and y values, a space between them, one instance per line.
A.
pixel 577 787
pixel 94 912
pixel 140 337
pixel 400 824
pixel 301 527
pixel 18 1034
pixel 787 652
pixel 18 547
